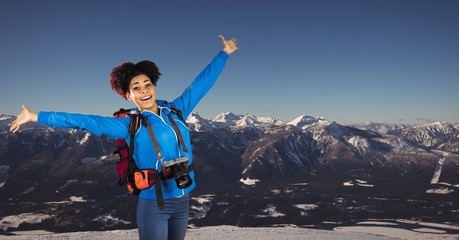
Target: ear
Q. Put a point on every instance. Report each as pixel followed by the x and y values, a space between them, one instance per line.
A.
pixel 128 96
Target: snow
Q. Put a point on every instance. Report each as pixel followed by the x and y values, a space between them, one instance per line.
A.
pixel 5 117
pixel 366 230
pixel 77 199
pixel 71 199
pixel 197 123
pixel 248 181
pixel 15 221
pixel 200 211
pixel 361 144
pixel 418 230
pixel 85 138
pixel 269 211
pixel 372 229
pixel 437 172
pixel 276 191
pixel 110 220
pixel 303 120
pixel 357 182
pixel 230 120
pixel 440 190
pixel 226 116
pixel 306 206
pixel 295 155
pixel 87 160
pixel 348 184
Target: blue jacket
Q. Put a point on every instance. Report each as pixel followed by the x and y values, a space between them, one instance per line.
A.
pixel 144 152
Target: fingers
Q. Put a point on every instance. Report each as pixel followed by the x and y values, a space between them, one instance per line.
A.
pixel 16 124
pixel 224 40
pixel 14 127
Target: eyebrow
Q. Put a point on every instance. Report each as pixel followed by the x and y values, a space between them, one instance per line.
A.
pixel 146 80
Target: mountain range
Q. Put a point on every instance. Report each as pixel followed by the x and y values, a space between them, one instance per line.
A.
pixel 251 171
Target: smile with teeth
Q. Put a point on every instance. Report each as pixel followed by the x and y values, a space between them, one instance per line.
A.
pixel 145 98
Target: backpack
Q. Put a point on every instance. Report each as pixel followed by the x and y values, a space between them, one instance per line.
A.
pixel 137 179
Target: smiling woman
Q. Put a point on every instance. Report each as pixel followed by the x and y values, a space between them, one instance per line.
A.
pixel 137 82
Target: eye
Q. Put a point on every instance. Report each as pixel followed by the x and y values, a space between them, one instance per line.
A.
pixel 136 88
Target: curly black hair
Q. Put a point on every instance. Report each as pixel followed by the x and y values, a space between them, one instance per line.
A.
pixel 121 76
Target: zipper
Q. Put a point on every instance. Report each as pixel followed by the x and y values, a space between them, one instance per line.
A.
pixel 173 131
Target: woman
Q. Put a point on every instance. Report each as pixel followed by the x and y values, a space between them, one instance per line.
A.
pixel 137 82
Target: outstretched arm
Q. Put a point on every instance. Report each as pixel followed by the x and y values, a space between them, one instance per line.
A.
pixel 24 117
pixel 98 125
pixel 229 46
pixel 206 79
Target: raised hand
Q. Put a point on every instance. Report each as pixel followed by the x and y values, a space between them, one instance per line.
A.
pixel 229 46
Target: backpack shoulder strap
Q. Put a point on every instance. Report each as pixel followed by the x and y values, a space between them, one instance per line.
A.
pixel 179 134
pixel 173 109
pixel 134 125
pixel 178 112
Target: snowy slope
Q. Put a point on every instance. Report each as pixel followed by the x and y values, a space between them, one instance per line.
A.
pixel 375 230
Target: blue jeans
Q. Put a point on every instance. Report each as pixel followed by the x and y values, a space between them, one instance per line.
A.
pixel 168 224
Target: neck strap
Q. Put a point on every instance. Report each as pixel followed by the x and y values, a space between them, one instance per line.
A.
pixel 155 141
pixel 179 134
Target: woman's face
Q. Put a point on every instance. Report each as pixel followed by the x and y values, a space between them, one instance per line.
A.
pixel 143 93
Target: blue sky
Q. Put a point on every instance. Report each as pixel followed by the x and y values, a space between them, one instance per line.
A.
pixel 350 61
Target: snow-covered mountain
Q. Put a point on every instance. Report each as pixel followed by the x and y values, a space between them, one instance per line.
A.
pixel 230 120
pixel 70 174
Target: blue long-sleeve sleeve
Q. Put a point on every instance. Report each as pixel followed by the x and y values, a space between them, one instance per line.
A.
pixel 98 125
pixel 201 85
